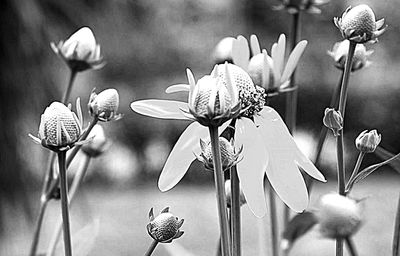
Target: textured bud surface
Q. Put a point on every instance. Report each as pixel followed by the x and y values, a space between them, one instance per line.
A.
pixel 367 142
pixel 104 105
pixel 165 227
pixel 360 20
pixel 228 155
pixel 333 120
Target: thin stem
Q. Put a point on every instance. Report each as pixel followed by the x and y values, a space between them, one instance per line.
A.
pixel 340 164
pixel 346 77
pixel 355 170
pixel 64 203
pixel 235 216
pixel 78 178
pixel 151 248
pixel 351 246
pixel 39 221
pixel 339 247
pixel 274 222
pixel 67 92
pixel 220 187
pixel 396 234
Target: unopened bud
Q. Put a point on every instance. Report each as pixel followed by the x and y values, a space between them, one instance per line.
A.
pixel 228 192
pixel 98 143
pixel 367 142
pixel 333 120
pixel 104 105
pixel 165 227
pixel 360 58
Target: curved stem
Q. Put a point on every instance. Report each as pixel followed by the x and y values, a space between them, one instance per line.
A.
pixel 38 225
pixel 235 216
pixel 151 248
pixel 274 222
pixel 64 203
pixel 67 92
pixel 396 234
pixel 78 178
pixel 351 246
pixel 220 187
pixel 355 171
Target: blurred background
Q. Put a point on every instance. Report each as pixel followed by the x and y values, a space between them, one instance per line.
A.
pixel 147 45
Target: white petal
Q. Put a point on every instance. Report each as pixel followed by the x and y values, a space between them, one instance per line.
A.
pixel 177 88
pixel 241 52
pixel 280 52
pixel 254 45
pixel 308 166
pixel 293 60
pixel 164 109
pixel 251 170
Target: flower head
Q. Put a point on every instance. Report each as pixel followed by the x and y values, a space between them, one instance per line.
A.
pixel 223 50
pixel 228 192
pixel 294 6
pixel 59 127
pixel 358 24
pixel 229 156
pixel 339 216
pixel 165 227
pixel 104 105
pixel 333 120
pixel 367 142
pixel 98 144
pixel 339 54
pixel 80 51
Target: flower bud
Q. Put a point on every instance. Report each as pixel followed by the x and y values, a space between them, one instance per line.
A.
pixel 59 127
pixel 104 105
pixel 228 155
pixel 333 120
pixel 294 6
pixel 165 227
pixel 228 192
pixel 367 142
pixel 80 50
pixel 223 50
pixel 339 216
pixel 98 143
pixel 358 24
pixel 360 58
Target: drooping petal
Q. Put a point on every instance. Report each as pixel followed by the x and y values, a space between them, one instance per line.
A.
pixel 308 166
pixel 251 169
pixel 293 60
pixel 241 52
pixel 177 88
pixel 164 109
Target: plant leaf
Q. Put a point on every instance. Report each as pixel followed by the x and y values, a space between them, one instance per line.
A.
pixel 384 155
pixel 164 109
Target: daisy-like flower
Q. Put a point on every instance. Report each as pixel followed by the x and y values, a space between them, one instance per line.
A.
pixel 80 51
pixel 360 59
pixel 268 146
pixel 359 25
pixel 294 6
pixel 270 72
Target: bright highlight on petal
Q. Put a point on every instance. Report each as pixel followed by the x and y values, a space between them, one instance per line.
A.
pixel 164 109
pixel 241 52
pixel 177 88
pixel 293 60
pixel 252 167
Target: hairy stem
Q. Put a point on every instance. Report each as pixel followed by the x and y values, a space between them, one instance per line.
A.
pixel 64 203
pixel 220 187
pixel 151 248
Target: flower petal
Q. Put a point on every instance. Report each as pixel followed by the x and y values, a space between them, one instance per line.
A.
pixel 252 167
pixel 241 52
pixel 308 166
pixel 164 109
pixel 177 88
pixel 254 45
pixel 293 60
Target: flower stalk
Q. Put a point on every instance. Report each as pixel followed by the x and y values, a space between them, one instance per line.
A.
pixel 355 171
pixel 235 215
pixel 69 87
pixel 396 235
pixel 274 222
pixel 151 248
pixel 351 247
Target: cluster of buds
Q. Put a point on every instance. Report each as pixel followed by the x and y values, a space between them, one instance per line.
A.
pixel 104 106
pixel 339 216
pixel 80 51
pixel 359 25
pixel 333 120
pixel 60 128
pixel 228 193
pixel 212 100
pixel 294 6
pixel 165 227
pixel 367 142
pixel 98 142
pixel 360 59
pixel 229 156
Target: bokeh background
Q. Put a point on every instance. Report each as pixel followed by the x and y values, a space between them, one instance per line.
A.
pixel 147 45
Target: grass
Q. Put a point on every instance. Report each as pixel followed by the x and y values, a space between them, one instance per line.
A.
pixel 123 219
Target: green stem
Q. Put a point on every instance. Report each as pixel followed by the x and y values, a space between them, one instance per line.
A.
pixel 39 221
pixel 67 92
pixel 220 187
pixel 235 216
pixel 64 203
pixel 355 170
pixel 351 246
pixel 396 234
pixel 78 178
pixel 274 222
pixel 151 248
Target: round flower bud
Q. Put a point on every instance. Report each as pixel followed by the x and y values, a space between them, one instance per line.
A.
pixel 358 24
pixel 294 6
pixel 165 227
pixel 104 105
pixel 228 155
pixel 98 143
pixel 80 50
pixel 367 142
pixel 360 58
pixel 333 120
pixel 59 127
pixel 338 216
pixel 223 50
pixel 228 192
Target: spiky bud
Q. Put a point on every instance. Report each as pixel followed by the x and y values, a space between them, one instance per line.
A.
pixel 80 51
pixel 165 227
pixel 339 54
pixel 104 105
pixel 229 156
pixel 339 216
pixel 333 120
pixel 358 24
pixel 228 192
pixel 367 142
pixel 98 143
pixel 223 50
